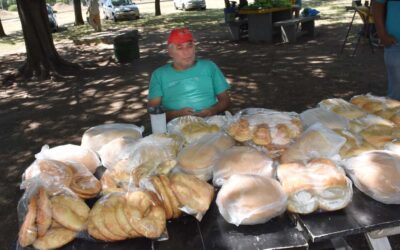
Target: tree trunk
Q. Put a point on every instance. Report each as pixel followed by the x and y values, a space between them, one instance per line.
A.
pixel 227 4
pixel 78 13
pixel 42 57
pixel 2 33
pixel 158 7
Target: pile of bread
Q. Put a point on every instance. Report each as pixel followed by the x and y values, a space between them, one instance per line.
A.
pixel 168 172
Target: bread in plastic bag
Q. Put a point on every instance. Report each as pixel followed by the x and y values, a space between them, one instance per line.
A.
pixel 115 150
pixel 241 160
pixel 342 108
pixel 191 128
pixel 50 217
pixel 326 117
pixel 194 195
pixel 377 174
pixel 72 175
pixel 269 128
pixel 70 152
pixel 199 157
pixel 375 104
pixel 251 199
pixel 96 137
pixel 120 216
pixel 318 185
pixel 317 141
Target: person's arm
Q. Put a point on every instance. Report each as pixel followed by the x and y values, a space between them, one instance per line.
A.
pixel 378 11
pixel 171 114
pixel 222 105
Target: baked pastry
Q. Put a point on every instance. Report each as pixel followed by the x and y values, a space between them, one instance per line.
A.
pixel 262 135
pixel 28 231
pixel 241 160
pixel 71 212
pixel 44 214
pixel 54 238
pixel 250 199
pixel 240 130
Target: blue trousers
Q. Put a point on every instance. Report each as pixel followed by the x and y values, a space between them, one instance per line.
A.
pixel 392 61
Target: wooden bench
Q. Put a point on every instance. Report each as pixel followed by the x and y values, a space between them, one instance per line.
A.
pixel 289 27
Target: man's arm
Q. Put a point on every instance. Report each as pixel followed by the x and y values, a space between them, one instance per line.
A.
pixel 378 10
pixel 223 103
pixel 171 114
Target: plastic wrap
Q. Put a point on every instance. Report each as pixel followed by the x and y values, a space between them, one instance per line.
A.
pixel 342 108
pixel 241 160
pixel 220 120
pixel 377 174
pixel 319 185
pixel 354 145
pixel 120 216
pixel 269 128
pixel 316 142
pixel 96 137
pixel 199 157
pixel 70 152
pixel 72 175
pixel 191 128
pixel 115 150
pixel 251 199
pixel 327 118
pixel 50 217
pixel 374 104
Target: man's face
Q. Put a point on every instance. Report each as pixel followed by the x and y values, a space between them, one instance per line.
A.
pixel 182 54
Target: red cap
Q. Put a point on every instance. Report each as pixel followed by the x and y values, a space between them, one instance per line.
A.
pixel 180 35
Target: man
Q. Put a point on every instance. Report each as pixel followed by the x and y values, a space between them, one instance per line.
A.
pixel 188 86
pixel 389 32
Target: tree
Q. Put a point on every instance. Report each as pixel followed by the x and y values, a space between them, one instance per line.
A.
pixel 227 4
pixel 2 33
pixel 158 8
pixel 78 13
pixel 42 58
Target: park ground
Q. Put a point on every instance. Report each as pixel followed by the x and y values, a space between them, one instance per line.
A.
pixel 287 77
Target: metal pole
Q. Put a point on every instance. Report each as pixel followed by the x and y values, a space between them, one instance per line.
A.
pixel 348 32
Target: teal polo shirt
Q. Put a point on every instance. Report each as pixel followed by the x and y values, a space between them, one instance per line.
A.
pixel 392 17
pixel 196 87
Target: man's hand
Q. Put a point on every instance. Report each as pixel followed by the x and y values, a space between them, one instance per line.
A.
pixel 205 113
pixel 186 111
pixel 388 40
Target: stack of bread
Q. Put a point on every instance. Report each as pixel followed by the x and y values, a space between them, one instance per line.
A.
pixel 248 199
pixel 199 157
pixel 65 174
pixel 316 141
pixel 382 106
pixel 377 174
pixel 354 145
pixel 115 150
pixel 51 220
pixel 191 128
pixel 119 216
pixel 319 184
pixel 342 108
pixel 268 128
pixel 68 153
pixel 96 137
pixel 241 160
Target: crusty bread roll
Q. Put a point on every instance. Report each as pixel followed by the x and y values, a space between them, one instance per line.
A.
pixel 240 130
pixel 262 135
pixel 54 238
pixel 318 184
pixel 377 173
pixel 241 160
pixel 28 231
pixel 250 199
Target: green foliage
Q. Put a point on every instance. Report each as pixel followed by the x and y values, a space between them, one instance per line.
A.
pixel 270 4
pixel 12 7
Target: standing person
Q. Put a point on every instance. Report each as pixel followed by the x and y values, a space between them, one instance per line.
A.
pixel 94 15
pixel 188 86
pixel 387 21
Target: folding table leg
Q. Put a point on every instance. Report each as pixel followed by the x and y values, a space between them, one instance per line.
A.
pixel 340 244
pixel 379 243
pixel 348 32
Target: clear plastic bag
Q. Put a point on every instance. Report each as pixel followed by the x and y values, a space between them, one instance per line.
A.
pixel 316 142
pixel 96 137
pixel 241 160
pixel 374 104
pixel 126 215
pixel 199 157
pixel 377 174
pixel 50 216
pixel 265 127
pixel 342 108
pixel 70 152
pixel 327 118
pixel 319 185
pixel 251 199
pixel 191 128
pixel 115 150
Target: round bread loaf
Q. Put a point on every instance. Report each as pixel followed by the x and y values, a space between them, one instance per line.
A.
pixel 251 199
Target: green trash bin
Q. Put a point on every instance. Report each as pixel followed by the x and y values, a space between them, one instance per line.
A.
pixel 126 47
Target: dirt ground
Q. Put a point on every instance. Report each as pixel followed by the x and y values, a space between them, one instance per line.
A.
pixel 288 77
